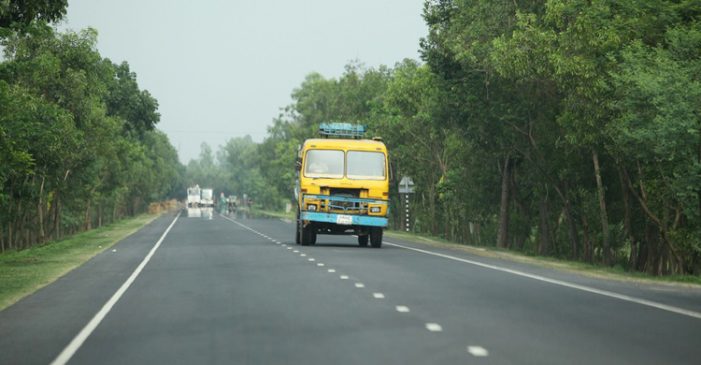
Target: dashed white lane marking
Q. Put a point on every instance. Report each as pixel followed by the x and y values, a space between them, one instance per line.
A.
pixel 80 338
pixel 402 309
pixel 303 254
pixel 434 327
pixel 344 277
pixel 296 251
pixel 477 351
pixel 311 259
pixel 289 248
pixel 378 295
pixel 320 264
pixel 332 270
pixel 359 285
pixel 606 293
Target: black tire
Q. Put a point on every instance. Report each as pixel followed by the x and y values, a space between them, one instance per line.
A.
pixel 376 237
pixel 308 236
pixel 298 230
pixel 363 240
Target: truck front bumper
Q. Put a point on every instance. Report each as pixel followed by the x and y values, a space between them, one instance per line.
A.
pixel 342 219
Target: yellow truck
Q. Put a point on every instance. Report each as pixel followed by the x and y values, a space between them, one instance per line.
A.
pixel 342 185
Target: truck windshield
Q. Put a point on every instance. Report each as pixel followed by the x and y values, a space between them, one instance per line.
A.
pixel 366 165
pixel 324 163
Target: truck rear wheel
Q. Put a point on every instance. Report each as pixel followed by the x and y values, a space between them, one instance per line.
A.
pixel 363 240
pixel 308 236
pixel 376 237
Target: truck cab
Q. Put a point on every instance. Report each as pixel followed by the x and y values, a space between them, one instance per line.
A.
pixel 193 196
pixel 343 185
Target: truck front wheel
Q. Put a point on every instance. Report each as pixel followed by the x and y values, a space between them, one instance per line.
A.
pixel 308 235
pixel 298 230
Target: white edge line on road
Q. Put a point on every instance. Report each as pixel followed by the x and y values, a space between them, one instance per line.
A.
pixel 588 289
pixel 80 338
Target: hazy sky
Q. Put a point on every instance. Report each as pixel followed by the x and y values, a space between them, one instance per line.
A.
pixel 221 69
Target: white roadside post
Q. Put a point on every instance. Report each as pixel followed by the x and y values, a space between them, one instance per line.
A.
pixel 406 187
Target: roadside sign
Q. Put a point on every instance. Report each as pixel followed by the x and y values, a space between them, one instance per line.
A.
pixel 406 185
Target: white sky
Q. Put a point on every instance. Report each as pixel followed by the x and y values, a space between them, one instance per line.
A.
pixel 222 69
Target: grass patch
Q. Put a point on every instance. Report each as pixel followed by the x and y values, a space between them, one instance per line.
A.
pixel 24 272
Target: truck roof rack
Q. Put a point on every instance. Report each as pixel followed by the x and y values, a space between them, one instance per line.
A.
pixel 341 130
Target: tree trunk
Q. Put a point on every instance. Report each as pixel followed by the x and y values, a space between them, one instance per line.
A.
pixel 661 224
pixel 40 212
pixel 588 254
pixel 502 234
pixel 544 228
pixel 633 262
pixel 57 217
pixel 572 230
pixel 87 222
pixel 602 210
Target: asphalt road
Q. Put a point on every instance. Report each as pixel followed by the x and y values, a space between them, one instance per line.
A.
pixel 232 290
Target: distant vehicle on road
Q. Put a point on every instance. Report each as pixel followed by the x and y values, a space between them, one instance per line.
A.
pixel 342 185
pixel 193 196
pixel 207 198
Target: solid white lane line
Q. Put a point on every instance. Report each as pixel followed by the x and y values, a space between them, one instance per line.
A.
pixel 378 295
pixel 477 351
pixel 584 288
pixel 344 277
pixel 79 339
pixel 359 285
pixel 402 309
pixel 434 327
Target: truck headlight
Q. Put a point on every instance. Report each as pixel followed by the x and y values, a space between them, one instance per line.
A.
pixel 375 209
pixel 311 207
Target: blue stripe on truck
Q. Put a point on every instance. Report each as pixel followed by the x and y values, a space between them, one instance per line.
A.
pixel 358 220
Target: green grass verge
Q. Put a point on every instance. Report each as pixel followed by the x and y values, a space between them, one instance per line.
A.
pixel 24 272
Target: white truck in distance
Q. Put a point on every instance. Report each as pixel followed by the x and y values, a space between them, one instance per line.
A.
pixel 207 198
pixel 193 196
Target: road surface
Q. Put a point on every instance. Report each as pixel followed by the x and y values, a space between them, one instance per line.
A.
pixel 220 289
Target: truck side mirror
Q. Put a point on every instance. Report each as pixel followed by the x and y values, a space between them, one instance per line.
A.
pixel 298 165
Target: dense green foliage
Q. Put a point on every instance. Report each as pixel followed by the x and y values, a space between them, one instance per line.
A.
pixel 78 146
pixel 563 128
